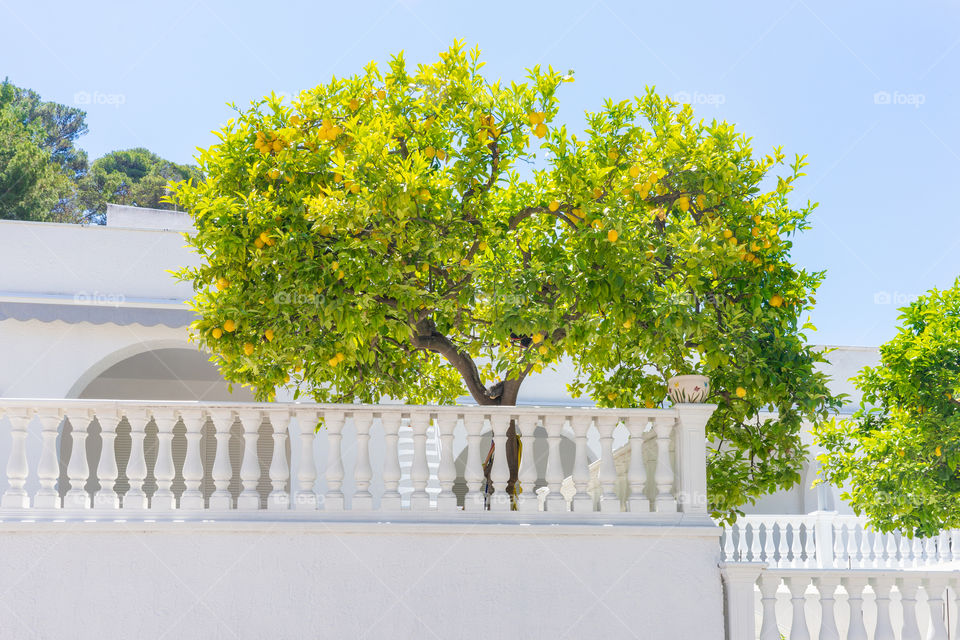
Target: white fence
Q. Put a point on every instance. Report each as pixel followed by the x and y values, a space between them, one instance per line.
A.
pixel 828 540
pixel 98 459
pixel 830 604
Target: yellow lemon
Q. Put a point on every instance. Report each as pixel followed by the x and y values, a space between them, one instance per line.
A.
pixel 354 104
pixel 553 206
pixel 776 300
pixel 627 324
pixel 541 130
pixel 258 243
pixel 543 351
pixel 217 332
pixel 612 235
pixel 741 392
pixel 268 334
pixel 429 152
pixel 482 246
pixel 634 171
pixel 229 326
pixel 684 203
pixel 597 192
pixel 222 283
pixel 537 338
pixel 247 348
pixel 727 233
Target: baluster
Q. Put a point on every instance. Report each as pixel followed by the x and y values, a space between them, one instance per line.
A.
pixel 362 471
pixel 852 547
pixel 827 586
pixel 473 473
pixel 582 501
pixel 163 499
pixel 936 601
pixel 884 628
pixel 955 545
pixel 908 602
pixel 609 501
pixel 222 471
pixel 796 548
pixel 929 551
pixel 77 469
pixel 554 475
pixel 798 600
pixel 107 471
pixel 279 498
pixel 917 559
pixel 249 498
pixel 768 544
pixel 663 476
pixel 526 492
pixel 854 587
pixel 15 497
pixel 754 541
pixel 839 553
pixel 136 498
pixel 333 501
pixel 637 473
pixel 306 495
pixel 728 550
pixel 769 629
pixel 447 471
pixel 48 470
pixel 865 547
pixel 419 472
pixel 500 473
pixel 391 461
pixel 943 542
pixel 878 539
pixel 905 554
pixel 192 496
pixel 891 543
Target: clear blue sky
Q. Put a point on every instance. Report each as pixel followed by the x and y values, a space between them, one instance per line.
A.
pixel 802 74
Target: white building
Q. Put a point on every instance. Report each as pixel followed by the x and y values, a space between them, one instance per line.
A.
pixel 255 527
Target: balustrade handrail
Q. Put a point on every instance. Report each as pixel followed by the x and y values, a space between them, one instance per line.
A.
pixel 281 462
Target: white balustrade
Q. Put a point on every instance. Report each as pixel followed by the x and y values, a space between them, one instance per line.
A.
pixel 285 476
pixel 828 540
pixel 869 613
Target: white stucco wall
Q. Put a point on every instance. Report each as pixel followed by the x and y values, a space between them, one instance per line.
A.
pixel 333 580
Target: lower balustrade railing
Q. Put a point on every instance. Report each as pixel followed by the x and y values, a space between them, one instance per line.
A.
pixel 118 458
pixel 826 539
pixel 856 604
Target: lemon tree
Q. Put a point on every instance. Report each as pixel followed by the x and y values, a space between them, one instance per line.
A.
pixel 425 233
pixel 899 454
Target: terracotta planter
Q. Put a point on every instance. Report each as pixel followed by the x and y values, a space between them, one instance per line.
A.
pixel 690 388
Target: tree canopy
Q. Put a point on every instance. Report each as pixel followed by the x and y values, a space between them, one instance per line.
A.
pixel 31 186
pixel 135 177
pixel 899 454
pixel 45 177
pixel 422 233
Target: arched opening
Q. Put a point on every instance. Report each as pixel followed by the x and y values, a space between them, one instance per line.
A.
pixel 168 373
